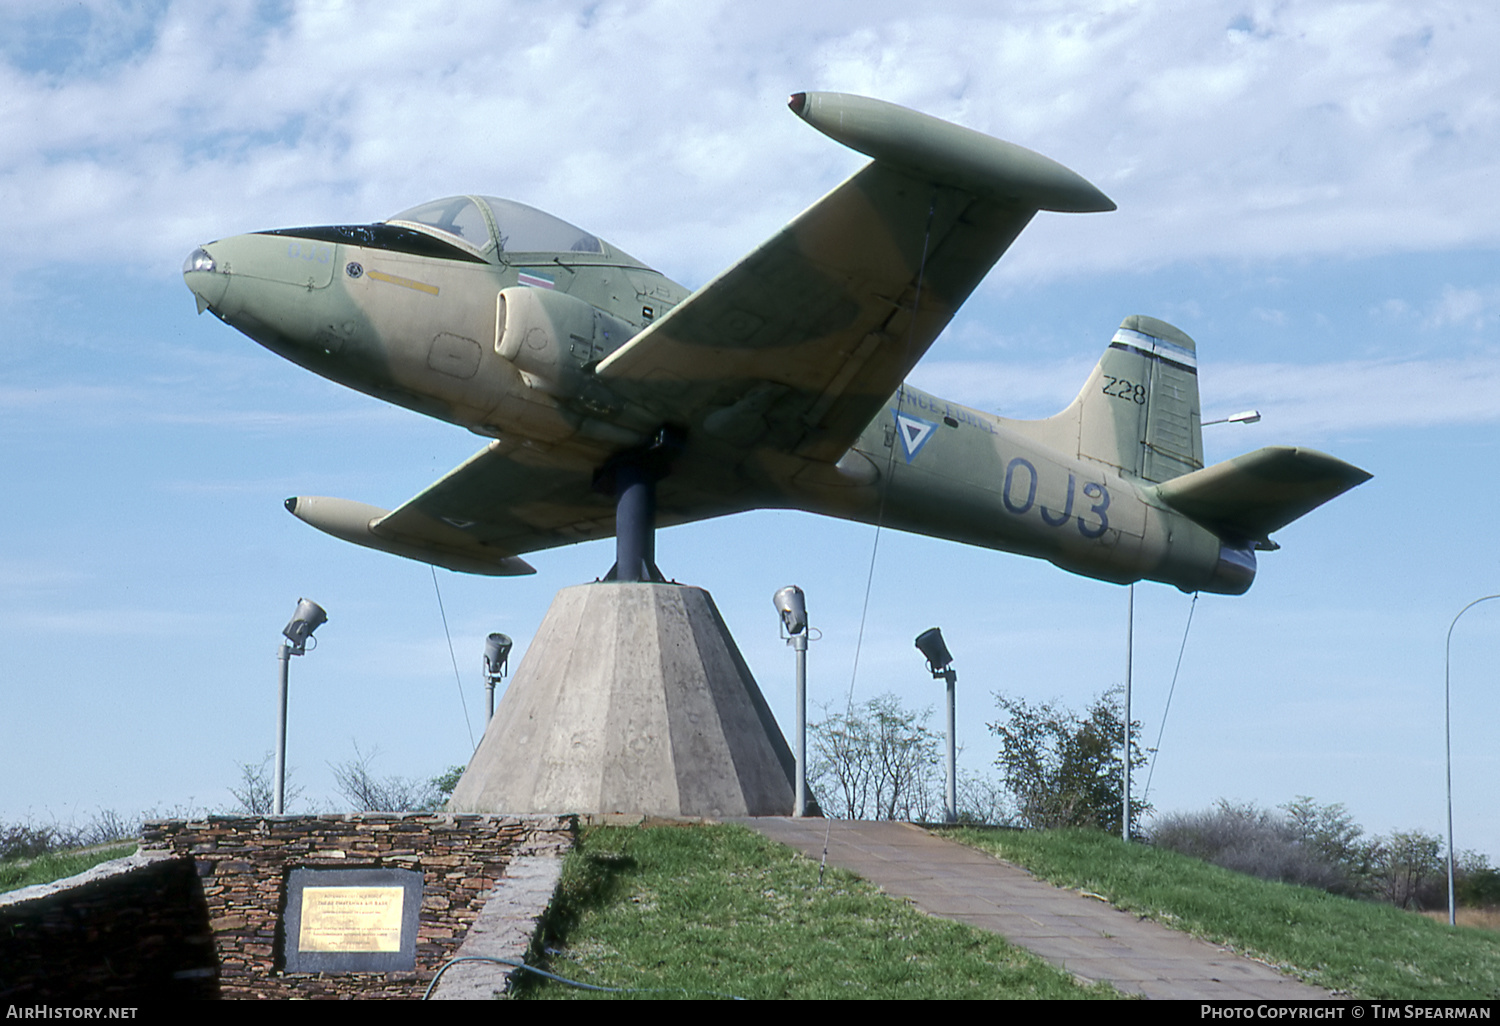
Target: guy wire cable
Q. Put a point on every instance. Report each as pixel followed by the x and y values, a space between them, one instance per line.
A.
pixel 456 678
pixel 1156 750
pixel 890 469
pixel 890 463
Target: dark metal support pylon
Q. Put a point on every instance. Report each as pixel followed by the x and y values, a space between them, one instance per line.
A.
pixel 632 477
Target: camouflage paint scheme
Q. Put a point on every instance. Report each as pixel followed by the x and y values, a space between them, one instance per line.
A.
pixel 782 376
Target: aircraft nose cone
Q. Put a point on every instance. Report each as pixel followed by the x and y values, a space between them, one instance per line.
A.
pixel 201 273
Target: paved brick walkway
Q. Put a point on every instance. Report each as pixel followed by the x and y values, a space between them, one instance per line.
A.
pixel 1087 937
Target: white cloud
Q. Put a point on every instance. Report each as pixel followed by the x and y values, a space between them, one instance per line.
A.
pixel 1311 400
pixel 36 577
pixel 1337 398
pixel 177 401
pixel 1467 308
pixel 109 622
pixel 1021 391
pixel 1293 128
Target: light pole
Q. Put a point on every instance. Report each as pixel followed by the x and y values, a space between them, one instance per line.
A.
pixel 1125 760
pixel 1243 417
pixel 308 618
pixel 792 606
pixel 496 653
pixel 1448 743
pixel 940 662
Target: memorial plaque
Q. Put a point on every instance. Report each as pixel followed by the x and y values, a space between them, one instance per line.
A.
pixel 351 920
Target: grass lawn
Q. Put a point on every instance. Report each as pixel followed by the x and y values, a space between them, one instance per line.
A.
pixel 701 911
pixel 1360 948
pixel 47 868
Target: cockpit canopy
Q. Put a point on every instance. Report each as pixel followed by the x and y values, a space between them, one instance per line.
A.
pixel 487 224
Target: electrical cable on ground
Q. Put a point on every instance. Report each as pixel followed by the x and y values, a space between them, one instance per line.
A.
pixel 571 983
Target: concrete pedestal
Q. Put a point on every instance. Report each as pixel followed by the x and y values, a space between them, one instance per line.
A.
pixel 632 699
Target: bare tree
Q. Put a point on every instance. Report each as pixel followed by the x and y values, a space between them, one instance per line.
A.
pixel 368 793
pixel 1255 841
pixel 879 761
pixel 256 794
pixel 984 801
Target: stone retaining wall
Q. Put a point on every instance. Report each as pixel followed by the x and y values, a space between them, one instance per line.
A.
pixel 127 931
pixel 243 864
pixel 199 911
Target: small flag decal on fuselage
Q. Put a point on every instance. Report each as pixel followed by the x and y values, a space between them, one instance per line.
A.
pixel 536 281
pixel 914 432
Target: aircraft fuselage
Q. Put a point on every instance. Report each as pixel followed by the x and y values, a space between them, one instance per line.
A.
pixel 506 348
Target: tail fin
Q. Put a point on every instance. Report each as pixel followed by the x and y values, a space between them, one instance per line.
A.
pixel 1138 411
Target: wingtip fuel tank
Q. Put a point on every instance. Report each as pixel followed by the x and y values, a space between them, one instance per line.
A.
pixel 357 522
pixel 939 149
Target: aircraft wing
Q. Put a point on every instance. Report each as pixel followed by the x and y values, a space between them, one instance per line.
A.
pixel 796 347
pixel 505 500
pixel 1253 495
pixel 502 501
pixel 799 344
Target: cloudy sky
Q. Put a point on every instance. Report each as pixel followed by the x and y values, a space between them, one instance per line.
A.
pixel 1309 189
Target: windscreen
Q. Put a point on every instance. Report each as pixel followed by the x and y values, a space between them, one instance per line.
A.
pixel 458 216
pixel 520 229
pixel 525 229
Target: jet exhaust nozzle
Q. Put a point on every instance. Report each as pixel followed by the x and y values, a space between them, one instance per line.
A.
pixel 1235 571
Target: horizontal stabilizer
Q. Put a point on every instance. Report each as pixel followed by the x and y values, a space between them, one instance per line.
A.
pixel 443 546
pixel 1253 495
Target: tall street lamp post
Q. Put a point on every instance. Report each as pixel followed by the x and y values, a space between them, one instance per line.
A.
pixel 1448 742
pixel 1243 417
pixel 1125 759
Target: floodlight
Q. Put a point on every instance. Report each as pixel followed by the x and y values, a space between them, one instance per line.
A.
pixel 1245 417
pixel 792 607
pixel 496 653
pixel 930 643
pixel 940 662
pixel 308 618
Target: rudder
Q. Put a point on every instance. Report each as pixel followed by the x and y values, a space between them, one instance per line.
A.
pixel 1138 412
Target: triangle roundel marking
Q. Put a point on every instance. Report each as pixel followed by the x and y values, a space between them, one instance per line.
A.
pixel 913 432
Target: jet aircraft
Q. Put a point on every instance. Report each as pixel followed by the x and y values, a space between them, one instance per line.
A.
pixel 615 399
